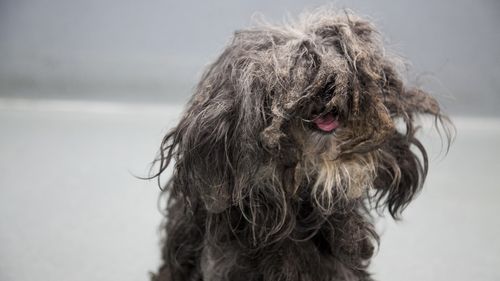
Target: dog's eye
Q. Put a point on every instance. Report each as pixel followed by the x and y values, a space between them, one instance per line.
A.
pixel 327 96
pixel 326 93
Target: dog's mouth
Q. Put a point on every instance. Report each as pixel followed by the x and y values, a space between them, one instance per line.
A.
pixel 326 123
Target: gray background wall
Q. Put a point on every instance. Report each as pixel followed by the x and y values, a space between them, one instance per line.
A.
pixel 154 51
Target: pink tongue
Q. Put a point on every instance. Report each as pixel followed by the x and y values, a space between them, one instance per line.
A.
pixel 326 123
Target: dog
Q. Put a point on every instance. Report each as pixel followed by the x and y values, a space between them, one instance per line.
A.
pixel 294 136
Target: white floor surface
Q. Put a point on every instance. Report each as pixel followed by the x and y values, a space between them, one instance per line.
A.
pixel 71 208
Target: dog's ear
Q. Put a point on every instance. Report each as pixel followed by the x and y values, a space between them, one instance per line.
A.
pixel 204 164
pixel 403 158
pixel 203 148
pixel 403 102
pixel 215 144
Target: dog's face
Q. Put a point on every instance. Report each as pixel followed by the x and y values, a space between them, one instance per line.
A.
pixel 312 106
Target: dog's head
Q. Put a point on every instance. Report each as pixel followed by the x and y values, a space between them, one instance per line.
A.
pixel 310 108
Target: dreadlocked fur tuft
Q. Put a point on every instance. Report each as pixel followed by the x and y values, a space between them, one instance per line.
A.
pixel 288 139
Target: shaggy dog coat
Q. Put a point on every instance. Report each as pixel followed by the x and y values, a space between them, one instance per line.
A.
pixel 292 136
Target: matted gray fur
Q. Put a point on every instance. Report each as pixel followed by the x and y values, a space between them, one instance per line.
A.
pixel 262 190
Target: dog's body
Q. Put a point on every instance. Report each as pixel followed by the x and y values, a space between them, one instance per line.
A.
pixel 287 144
